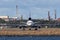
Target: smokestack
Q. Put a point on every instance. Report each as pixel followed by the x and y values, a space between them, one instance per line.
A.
pixel 55 14
pixel 16 10
pixel 49 15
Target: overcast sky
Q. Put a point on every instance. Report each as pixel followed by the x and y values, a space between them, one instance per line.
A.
pixel 37 8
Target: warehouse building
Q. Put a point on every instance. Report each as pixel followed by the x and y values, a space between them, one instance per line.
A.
pixel 6 18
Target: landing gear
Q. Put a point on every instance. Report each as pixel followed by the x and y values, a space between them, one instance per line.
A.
pixel 20 27
pixel 23 28
pixel 39 27
pixel 35 28
pixel 29 28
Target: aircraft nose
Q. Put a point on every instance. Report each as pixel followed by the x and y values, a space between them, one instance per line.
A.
pixel 29 23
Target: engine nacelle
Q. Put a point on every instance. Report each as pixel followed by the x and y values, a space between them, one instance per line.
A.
pixel 30 23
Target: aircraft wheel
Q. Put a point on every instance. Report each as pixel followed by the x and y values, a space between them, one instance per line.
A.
pixel 23 28
pixel 35 28
pixel 39 27
pixel 29 28
pixel 20 27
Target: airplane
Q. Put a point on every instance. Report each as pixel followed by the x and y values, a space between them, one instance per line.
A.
pixel 30 24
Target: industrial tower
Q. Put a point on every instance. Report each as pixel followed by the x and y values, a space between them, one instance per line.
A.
pixel 55 14
pixel 49 15
pixel 17 11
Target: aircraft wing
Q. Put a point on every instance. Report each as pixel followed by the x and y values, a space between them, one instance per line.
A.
pixel 36 22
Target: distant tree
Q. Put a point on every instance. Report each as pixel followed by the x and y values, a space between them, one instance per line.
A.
pixel 2 21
